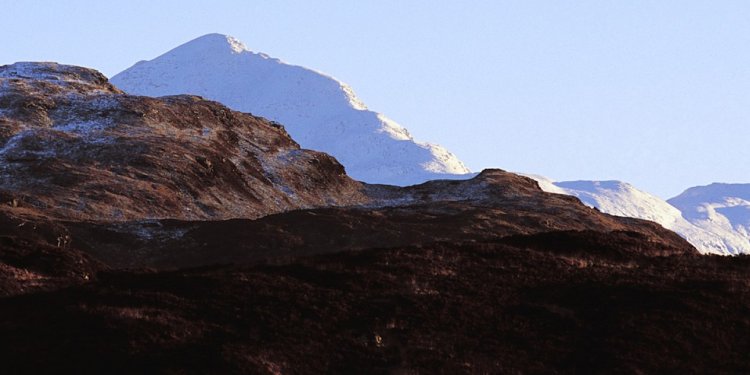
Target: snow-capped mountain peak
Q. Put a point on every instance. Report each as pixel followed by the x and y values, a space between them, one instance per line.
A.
pixel 217 43
pixel 699 202
pixel 720 208
pixel 714 235
pixel 319 111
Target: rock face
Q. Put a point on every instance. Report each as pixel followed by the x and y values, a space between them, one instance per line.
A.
pixel 172 235
pixel 75 147
pixel 319 112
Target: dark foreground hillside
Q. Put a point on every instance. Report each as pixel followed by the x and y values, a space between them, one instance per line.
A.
pixel 486 307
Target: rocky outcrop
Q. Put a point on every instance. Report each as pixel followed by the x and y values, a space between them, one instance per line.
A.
pixel 75 147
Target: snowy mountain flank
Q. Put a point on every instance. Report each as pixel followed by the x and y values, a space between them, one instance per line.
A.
pixel 318 111
pixel 711 233
pixel 723 209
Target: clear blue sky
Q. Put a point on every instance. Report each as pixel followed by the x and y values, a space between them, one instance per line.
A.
pixel 656 93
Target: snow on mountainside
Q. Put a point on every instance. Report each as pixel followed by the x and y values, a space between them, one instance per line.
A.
pixel 719 208
pixel 318 111
pixel 622 199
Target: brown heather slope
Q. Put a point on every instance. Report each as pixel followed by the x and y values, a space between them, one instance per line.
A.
pixel 115 256
pixel 484 307
pixel 75 147
pixel 493 205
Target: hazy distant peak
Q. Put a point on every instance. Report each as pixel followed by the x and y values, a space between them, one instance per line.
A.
pixel 714 191
pixel 721 233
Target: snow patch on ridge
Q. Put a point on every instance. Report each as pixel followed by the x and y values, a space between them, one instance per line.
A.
pixel 236 45
pixel 90 131
pixel 43 71
pixel 28 70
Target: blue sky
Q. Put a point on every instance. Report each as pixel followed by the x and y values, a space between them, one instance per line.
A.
pixel 656 93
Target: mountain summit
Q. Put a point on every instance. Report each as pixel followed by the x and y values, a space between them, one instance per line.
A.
pixel 317 110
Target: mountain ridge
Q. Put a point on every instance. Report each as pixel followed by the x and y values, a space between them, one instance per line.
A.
pixel 623 199
pixel 314 107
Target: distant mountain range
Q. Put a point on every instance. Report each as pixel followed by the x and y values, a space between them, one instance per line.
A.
pixel 324 114
pixel 723 209
pixel 715 218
